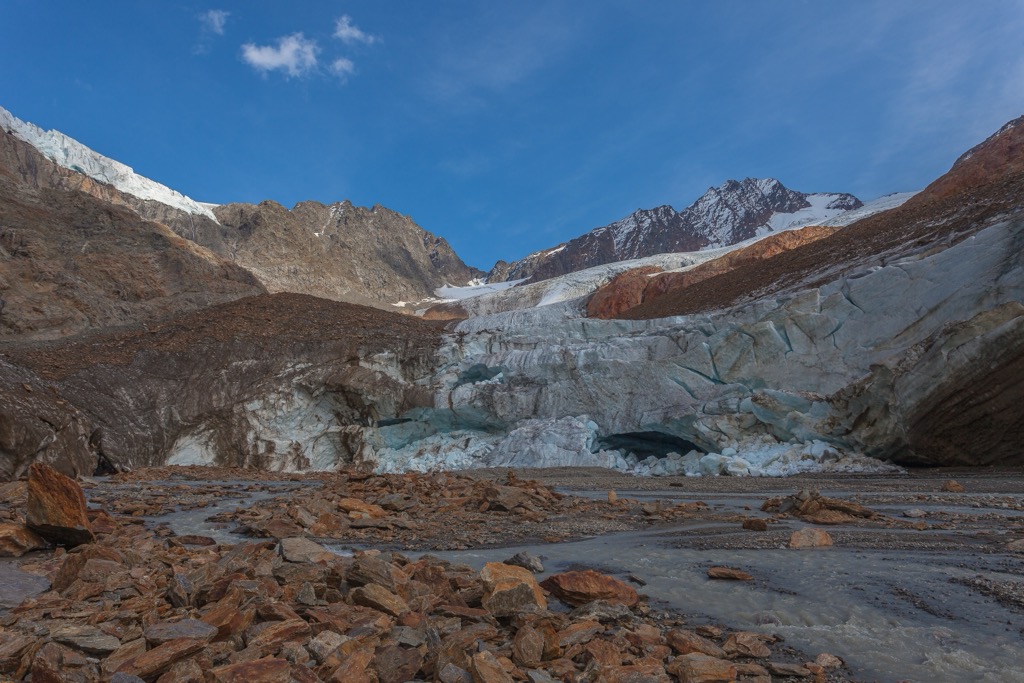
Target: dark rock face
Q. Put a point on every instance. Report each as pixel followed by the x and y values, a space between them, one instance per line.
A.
pixel 70 261
pixel 724 215
pixel 269 382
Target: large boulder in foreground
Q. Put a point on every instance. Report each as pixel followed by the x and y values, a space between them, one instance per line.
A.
pixel 56 507
pixel 579 588
pixel 509 589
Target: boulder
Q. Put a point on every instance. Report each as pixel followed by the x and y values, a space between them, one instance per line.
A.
pixel 161 632
pixel 486 668
pixel 16 540
pixel 580 587
pixel 299 549
pixel 698 668
pixel 87 639
pixel 509 589
pixel 527 561
pixel 56 507
pixel 810 538
pixel 746 644
pixel 379 598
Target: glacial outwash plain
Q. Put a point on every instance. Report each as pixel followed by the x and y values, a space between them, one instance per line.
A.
pixel 774 436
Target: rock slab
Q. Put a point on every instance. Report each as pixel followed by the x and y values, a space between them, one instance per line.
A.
pixel 580 587
pixel 56 507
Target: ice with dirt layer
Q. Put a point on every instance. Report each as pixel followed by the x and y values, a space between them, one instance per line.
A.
pixel 71 154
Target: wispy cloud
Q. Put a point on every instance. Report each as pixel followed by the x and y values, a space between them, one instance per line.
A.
pixel 294 54
pixel 343 68
pixel 499 48
pixel 214 20
pixel 211 25
pixel 351 34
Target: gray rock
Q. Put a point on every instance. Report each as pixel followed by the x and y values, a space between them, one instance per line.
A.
pixel 160 632
pixel 88 639
pixel 527 561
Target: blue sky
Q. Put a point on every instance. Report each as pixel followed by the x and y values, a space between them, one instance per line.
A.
pixel 511 126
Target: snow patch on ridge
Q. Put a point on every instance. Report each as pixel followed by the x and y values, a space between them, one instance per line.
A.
pixel 71 154
pixel 883 203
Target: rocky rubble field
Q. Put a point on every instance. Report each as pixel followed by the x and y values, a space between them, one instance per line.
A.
pixel 129 600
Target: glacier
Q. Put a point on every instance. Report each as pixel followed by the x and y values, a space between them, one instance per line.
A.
pixel 73 155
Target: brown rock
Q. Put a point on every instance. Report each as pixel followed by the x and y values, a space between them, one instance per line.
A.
pixel 379 598
pixel 299 549
pixel 358 508
pixel 163 631
pixel 266 670
pixel 810 538
pixel 227 618
pixel 603 653
pixel 746 644
pixel 788 669
pixel 613 497
pixel 370 569
pixel 528 646
pixel 687 642
pixel 579 633
pixel 394 664
pixel 16 540
pixel 152 663
pixel 623 292
pixel 729 574
pixel 354 668
pixel 486 668
pixel 952 486
pixel 509 589
pixel 580 587
pixel 56 507
pixel 698 668
pixel 87 639
pixel 55 663
pixel 755 524
pixel 269 639
pixel 127 651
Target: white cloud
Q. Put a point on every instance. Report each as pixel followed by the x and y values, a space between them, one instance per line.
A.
pixel 343 68
pixel 294 54
pixel 349 33
pixel 214 20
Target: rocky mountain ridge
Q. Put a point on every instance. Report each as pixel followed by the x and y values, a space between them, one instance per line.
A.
pixel 372 256
pixel 733 212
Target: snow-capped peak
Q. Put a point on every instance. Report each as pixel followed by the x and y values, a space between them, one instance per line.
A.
pixel 71 154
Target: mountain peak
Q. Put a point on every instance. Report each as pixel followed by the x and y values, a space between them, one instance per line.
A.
pixel 735 211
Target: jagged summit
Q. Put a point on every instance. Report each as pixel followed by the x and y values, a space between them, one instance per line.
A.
pixel 734 211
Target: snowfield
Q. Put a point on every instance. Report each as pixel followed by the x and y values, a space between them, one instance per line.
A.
pixel 73 155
